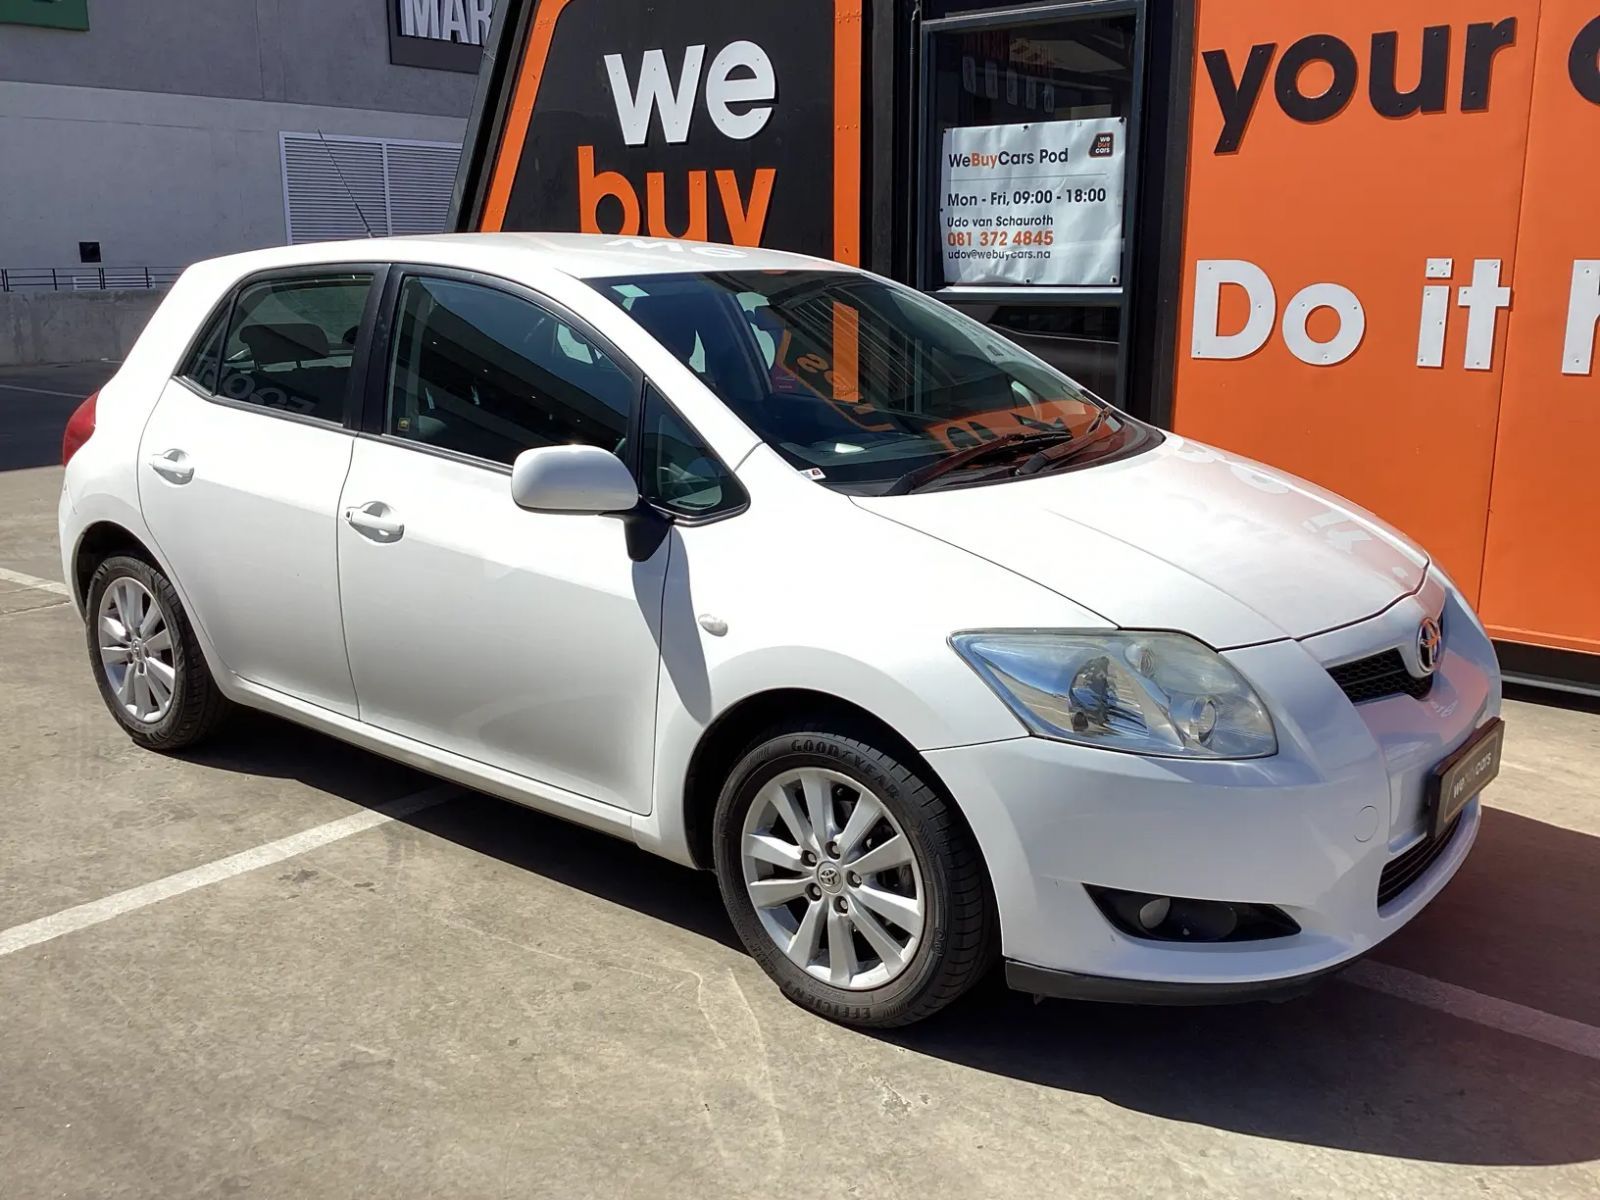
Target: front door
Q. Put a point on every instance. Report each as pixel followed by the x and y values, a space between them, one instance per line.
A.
pixel 240 467
pixel 526 641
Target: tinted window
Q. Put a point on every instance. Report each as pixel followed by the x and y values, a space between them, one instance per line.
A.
pixel 291 341
pixel 680 471
pixel 486 373
pixel 201 367
pixel 858 382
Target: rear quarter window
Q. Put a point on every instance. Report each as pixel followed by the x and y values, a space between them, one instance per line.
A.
pixel 291 342
pixel 200 368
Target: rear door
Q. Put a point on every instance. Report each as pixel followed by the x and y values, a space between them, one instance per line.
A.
pixel 240 469
pixel 527 641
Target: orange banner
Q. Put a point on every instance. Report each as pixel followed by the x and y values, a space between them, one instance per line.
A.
pixel 1541 567
pixel 1383 221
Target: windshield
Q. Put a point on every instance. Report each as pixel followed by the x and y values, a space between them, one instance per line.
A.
pixel 860 384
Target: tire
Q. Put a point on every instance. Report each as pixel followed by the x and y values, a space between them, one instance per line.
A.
pixel 192 707
pixel 923 970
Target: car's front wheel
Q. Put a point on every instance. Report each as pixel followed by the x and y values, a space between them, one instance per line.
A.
pixel 151 673
pixel 850 879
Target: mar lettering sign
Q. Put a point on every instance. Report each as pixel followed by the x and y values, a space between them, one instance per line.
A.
pixel 446 35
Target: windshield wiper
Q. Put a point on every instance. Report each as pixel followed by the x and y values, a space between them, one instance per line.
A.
pixel 912 480
pixel 1056 455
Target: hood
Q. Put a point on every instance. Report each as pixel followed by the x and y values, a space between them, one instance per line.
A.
pixel 1184 537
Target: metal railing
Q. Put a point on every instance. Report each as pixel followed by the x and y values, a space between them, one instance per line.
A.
pixel 86 278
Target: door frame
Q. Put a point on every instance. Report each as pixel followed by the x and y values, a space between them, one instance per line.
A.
pixel 369 418
pixel 360 354
pixel 926 186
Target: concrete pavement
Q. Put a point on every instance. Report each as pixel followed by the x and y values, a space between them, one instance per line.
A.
pixel 475 1000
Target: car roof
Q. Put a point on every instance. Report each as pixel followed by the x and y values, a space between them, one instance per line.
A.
pixel 578 255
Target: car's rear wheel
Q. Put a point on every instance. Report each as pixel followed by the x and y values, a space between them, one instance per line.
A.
pixel 150 670
pixel 850 879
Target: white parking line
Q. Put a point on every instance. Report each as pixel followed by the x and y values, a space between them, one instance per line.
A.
pixel 1531 1023
pixel 20 937
pixel 13 387
pixel 33 581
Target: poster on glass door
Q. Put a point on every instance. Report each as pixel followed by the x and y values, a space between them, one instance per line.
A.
pixel 1037 204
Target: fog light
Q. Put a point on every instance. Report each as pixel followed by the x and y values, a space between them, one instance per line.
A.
pixel 1203 920
pixel 1152 913
pixel 1180 919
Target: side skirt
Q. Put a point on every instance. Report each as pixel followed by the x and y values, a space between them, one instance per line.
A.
pixel 456 768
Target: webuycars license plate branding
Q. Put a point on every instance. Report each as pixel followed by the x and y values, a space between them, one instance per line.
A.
pixel 1464 774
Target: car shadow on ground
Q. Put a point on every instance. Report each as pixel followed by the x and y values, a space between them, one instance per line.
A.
pixel 256 744
pixel 1345 1068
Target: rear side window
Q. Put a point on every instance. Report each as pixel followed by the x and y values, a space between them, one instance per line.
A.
pixel 486 373
pixel 291 342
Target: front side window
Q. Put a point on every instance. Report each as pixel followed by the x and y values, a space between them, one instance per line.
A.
pixel 291 343
pixel 483 372
pixel 863 385
pixel 680 471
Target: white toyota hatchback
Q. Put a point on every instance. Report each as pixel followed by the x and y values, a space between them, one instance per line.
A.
pixel 782 569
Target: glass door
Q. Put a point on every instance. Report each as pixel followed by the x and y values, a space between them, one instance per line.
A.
pixel 1029 136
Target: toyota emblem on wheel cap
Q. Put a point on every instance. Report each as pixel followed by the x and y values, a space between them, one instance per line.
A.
pixel 1430 641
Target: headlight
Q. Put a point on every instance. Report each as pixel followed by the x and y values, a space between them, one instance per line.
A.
pixel 1145 693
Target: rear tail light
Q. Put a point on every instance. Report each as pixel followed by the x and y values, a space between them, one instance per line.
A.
pixel 79 426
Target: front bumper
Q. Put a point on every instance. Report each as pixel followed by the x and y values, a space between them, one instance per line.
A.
pixel 66 540
pixel 1069 985
pixel 1308 831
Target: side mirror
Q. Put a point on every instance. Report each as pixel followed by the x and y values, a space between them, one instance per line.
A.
pixel 572 479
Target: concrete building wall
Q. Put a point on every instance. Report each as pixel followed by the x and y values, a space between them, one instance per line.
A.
pixel 158 179
pixel 332 53
pixel 56 327
pixel 155 133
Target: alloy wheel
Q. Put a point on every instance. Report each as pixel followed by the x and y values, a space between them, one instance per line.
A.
pixel 136 650
pixel 833 878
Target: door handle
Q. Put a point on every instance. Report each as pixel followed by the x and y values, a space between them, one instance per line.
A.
pixel 173 466
pixel 376 520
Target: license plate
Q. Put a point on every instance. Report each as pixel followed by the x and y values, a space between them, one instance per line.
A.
pixel 1463 775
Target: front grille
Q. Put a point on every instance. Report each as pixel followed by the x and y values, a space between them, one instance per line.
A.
pixel 1378 676
pixel 1406 868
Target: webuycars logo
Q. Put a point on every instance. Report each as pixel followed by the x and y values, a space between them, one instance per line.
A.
pixel 1010 158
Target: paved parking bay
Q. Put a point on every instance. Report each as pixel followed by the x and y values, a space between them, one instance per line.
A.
pixel 35 403
pixel 283 967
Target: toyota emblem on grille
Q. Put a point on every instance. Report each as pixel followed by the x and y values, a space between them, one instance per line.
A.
pixel 1430 641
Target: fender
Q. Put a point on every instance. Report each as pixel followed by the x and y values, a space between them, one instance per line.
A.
pixel 100 507
pixel 836 620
